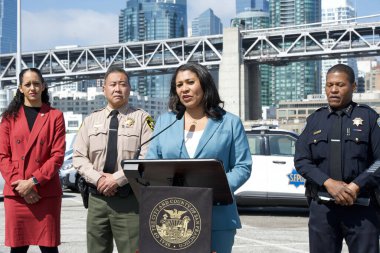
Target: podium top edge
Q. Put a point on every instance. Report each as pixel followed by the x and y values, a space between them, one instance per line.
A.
pixel 186 160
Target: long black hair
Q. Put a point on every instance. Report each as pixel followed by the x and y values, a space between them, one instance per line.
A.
pixel 213 105
pixel 18 100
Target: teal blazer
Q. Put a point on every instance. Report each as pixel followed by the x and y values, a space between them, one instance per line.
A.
pixel 224 140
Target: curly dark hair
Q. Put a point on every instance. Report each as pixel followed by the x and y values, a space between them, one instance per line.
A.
pixel 18 100
pixel 211 101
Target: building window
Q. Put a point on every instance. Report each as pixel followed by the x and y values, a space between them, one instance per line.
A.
pixel 72 123
pixel 301 111
pixel 281 113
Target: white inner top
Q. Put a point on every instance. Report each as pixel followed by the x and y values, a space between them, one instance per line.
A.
pixel 192 140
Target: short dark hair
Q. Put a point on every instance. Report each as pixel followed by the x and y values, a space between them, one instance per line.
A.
pixel 345 69
pixel 114 69
pixel 18 99
pixel 211 101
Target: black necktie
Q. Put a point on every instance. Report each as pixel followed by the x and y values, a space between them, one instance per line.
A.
pixel 111 157
pixel 336 147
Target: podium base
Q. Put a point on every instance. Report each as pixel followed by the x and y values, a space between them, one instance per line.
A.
pixel 175 219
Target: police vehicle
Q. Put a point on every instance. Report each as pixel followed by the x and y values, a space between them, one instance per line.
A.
pixel 274 180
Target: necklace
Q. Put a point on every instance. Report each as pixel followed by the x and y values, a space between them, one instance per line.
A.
pixel 194 122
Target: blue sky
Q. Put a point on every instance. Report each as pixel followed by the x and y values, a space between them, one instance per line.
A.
pixel 50 23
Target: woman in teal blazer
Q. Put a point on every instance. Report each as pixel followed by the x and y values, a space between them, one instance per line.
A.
pixel 205 131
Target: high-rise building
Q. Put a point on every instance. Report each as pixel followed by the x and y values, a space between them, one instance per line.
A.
pixel 251 5
pixel 295 80
pixel 250 20
pixel 8 26
pixel 152 20
pixel 337 12
pixel 206 24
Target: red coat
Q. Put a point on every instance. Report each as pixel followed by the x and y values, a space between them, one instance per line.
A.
pixel 38 153
pixel 24 154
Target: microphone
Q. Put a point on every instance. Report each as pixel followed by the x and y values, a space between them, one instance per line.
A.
pixel 180 113
pixel 179 116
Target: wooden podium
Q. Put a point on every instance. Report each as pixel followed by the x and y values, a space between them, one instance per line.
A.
pixel 176 198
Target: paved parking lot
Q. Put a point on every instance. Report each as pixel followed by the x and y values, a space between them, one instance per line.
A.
pixel 265 230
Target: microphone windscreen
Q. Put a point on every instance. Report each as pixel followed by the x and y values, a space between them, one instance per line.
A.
pixel 181 112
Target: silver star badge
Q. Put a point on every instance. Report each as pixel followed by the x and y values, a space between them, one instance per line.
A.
pixel 357 121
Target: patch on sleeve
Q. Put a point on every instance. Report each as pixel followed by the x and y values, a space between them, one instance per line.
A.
pixel 149 120
pixel 378 121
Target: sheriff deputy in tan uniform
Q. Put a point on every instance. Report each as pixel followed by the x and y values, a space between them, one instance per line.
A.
pixel 112 207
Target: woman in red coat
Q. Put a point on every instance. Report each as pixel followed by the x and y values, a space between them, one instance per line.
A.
pixel 32 149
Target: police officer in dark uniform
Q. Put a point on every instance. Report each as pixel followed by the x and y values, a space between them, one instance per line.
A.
pixel 340 141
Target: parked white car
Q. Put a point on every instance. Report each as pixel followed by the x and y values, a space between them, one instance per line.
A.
pixel 274 180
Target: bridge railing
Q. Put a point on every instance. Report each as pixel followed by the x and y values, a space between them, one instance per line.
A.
pixel 335 39
pixel 318 41
pixel 135 56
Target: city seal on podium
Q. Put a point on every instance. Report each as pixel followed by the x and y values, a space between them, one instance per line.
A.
pixel 175 223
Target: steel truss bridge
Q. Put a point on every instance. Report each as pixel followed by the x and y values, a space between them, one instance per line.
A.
pixel 269 46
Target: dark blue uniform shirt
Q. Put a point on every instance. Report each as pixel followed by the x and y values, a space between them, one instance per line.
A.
pixel 360 146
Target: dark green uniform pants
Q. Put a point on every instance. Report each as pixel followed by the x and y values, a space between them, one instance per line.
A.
pixel 112 217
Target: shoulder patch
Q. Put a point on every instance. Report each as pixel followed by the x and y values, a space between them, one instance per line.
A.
pixel 149 120
pixel 378 121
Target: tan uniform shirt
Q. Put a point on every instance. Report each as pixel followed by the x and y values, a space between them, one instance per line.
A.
pixel 90 147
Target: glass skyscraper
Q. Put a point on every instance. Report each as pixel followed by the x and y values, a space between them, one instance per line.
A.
pixel 295 80
pixel 251 5
pixel 206 24
pixel 152 20
pixel 8 26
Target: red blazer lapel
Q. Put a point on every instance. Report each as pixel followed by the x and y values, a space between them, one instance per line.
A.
pixel 23 123
pixel 42 116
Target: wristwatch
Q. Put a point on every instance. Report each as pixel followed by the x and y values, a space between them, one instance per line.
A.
pixel 35 181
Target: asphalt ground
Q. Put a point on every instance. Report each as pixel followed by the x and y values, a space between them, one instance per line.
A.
pixel 265 230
